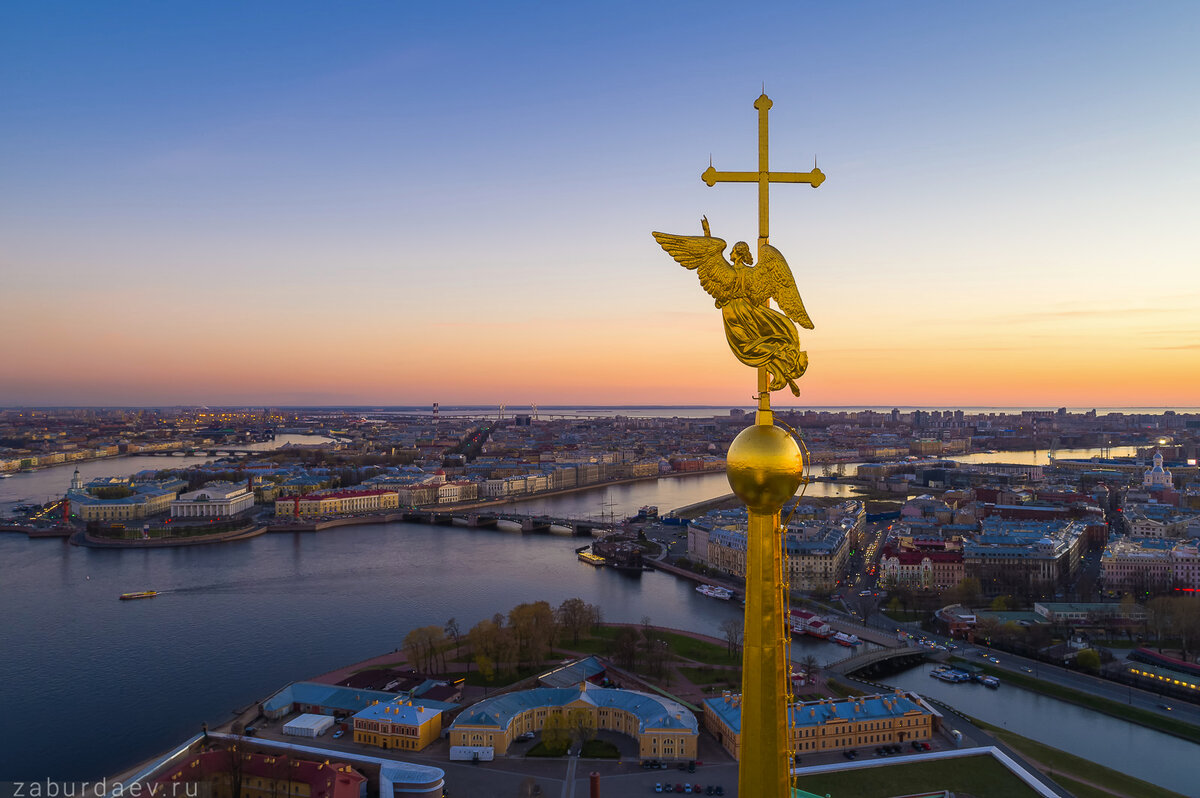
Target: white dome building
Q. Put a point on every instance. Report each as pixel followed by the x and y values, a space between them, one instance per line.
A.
pixel 1158 478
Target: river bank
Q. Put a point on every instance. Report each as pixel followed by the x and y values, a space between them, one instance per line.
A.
pixel 82 538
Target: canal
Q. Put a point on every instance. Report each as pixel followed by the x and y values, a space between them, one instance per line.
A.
pixel 1141 752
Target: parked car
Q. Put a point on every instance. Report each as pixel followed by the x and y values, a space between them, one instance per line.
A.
pixel 338 733
pixel 658 787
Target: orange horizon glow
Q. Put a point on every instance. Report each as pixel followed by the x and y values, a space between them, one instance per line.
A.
pixel 422 210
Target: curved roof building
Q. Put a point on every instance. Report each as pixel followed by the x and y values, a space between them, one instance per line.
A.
pixel 662 727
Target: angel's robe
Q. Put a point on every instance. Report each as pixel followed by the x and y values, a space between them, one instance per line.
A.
pixel 763 338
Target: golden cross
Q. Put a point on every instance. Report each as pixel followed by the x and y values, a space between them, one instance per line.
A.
pixel 764 177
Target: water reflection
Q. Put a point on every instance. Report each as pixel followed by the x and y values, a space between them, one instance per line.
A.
pixel 1147 754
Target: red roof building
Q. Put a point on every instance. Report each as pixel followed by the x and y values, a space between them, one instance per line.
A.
pixel 267 775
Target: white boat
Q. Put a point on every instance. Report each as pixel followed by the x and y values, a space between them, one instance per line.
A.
pixel 952 675
pixel 843 639
pixel 712 591
pixel 6 475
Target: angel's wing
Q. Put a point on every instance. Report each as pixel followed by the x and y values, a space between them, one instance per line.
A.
pixel 773 278
pixel 703 253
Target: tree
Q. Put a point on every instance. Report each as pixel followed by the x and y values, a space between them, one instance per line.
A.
pixel 453 631
pixel 1088 659
pixel 986 627
pixel 647 635
pixel 625 647
pixel 657 655
pixel 733 629
pixel 1159 617
pixel 1000 604
pixel 555 734
pixel 966 592
pixel 533 629
pixel 484 638
pixel 486 668
pixel 581 723
pixel 576 615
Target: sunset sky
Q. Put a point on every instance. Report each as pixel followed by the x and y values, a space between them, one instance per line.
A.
pixel 278 203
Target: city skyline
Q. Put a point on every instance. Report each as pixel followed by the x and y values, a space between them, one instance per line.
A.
pixel 382 206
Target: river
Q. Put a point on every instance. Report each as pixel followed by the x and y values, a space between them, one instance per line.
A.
pixel 112 682
pixel 1144 753
pixel 92 684
pixel 668 494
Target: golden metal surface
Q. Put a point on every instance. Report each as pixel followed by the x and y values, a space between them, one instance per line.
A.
pixel 759 336
pixel 764 463
pixel 764 467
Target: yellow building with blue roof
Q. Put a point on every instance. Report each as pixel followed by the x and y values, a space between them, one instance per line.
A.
pixel 832 724
pixel 664 729
pixel 397 724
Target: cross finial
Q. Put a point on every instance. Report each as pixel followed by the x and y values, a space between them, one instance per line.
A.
pixel 764 177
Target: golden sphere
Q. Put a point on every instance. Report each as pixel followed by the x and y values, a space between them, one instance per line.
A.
pixel 765 467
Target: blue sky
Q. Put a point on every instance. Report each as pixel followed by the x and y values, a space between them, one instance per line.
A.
pixel 385 202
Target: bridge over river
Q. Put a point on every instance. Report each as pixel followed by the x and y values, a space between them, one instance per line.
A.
pixel 891 657
pixel 507 522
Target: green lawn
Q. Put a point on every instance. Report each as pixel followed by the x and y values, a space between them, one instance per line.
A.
pixel 600 641
pixel 843 690
pixel 599 749
pixel 702 676
pixel 700 650
pixel 1079 789
pixel 906 615
pixel 1060 762
pixel 476 679
pixel 541 749
pixel 977 775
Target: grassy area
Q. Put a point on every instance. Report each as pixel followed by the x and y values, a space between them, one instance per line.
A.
pixel 906 615
pixel 843 690
pixel 1143 717
pixel 1058 763
pixel 702 676
pixel 541 749
pixel 600 641
pixel 599 749
pixel 1079 789
pixel 700 650
pixel 976 775
pixel 476 679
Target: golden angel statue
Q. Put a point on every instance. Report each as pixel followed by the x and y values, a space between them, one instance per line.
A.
pixel 759 336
